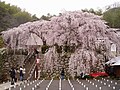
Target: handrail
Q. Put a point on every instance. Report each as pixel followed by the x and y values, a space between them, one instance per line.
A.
pixel 31 70
pixel 27 57
pixel 32 66
pixel 24 62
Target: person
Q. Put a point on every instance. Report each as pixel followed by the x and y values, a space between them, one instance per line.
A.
pixel 36 52
pixel 81 75
pixel 21 73
pixel 62 74
pixel 37 61
pixel 12 75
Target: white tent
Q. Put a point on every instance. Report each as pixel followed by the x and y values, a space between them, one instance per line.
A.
pixel 114 61
pixel 34 40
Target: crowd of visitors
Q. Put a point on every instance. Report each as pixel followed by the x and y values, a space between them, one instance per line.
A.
pixel 13 74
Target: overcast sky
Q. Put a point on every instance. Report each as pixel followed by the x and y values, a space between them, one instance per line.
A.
pixel 42 7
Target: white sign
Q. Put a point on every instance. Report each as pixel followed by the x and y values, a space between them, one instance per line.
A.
pixel 113 47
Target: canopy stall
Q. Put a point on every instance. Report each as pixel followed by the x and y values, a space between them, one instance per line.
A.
pixel 114 61
pixel 114 65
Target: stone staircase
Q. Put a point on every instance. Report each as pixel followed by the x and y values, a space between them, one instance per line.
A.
pixel 28 64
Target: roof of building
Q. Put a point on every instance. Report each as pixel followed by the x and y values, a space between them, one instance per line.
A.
pixel 114 61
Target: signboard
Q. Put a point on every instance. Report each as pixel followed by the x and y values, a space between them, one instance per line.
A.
pixel 113 47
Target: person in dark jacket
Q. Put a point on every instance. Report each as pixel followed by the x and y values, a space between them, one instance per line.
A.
pixel 36 52
pixel 12 75
pixel 21 73
pixel 62 74
pixel 81 75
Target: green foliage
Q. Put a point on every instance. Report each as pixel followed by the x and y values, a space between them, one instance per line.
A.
pixel 14 9
pixel 44 49
pixel 1 62
pixel 1 67
pixel 69 49
pixel 11 16
pixel 22 17
pixel 34 17
pixel 47 18
pixel 58 48
pixel 4 23
pixel 88 77
pixel 96 12
pixel 66 48
pixel 112 16
pixel 1 42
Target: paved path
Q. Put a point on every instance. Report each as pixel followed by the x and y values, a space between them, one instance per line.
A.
pixel 54 85
pixel 66 85
pixel 8 85
pixel 101 84
pixel 77 86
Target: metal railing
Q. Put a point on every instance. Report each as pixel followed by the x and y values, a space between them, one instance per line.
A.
pixel 31 71
pixel 28 57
